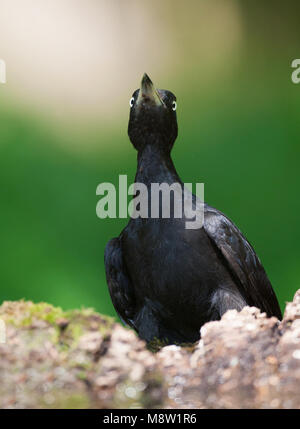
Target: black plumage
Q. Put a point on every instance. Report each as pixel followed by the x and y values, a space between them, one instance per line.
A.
pixel 166 281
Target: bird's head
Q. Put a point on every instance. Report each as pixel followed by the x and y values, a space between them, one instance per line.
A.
pixel 152 117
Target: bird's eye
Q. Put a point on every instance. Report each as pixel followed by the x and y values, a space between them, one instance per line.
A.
pixel 131 101
pixel 174 105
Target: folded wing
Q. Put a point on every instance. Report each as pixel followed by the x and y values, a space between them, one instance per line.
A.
pixel 242 262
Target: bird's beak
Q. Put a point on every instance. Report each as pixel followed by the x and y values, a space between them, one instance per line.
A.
pixel 148 94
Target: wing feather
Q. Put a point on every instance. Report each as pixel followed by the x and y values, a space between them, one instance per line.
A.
pixel 242 262
pixel 119 284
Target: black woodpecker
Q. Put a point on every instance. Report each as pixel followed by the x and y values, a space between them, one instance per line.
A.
pixel 165 280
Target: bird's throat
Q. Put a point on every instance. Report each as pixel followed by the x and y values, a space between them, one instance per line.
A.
pixel 155 165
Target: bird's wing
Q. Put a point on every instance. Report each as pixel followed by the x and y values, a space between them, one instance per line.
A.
pixel 119 285
pixel 241 261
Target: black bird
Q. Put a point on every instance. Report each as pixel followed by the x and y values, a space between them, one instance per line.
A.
pixel 166 281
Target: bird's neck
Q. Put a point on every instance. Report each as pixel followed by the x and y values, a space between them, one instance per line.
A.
pixel 155 165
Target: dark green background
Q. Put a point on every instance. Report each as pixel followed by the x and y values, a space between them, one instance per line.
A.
pixel 238 133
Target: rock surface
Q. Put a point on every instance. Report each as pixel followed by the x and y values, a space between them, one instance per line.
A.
pixel 80 359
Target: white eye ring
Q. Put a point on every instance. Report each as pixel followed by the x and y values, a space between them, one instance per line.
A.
pixel 174 105
pixel 131 101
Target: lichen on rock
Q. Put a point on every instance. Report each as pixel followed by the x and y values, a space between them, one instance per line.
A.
pixel 81 359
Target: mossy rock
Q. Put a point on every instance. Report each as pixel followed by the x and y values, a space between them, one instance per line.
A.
pixel 72 359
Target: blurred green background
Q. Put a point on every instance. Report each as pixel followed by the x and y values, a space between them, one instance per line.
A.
pixel 71 69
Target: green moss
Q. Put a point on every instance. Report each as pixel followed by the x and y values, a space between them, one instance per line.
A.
pixel 46 312
pixel 24 313
pixel 72 334
pixel 156 344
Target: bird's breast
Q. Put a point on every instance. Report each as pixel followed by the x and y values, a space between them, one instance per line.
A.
pixel 169 264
